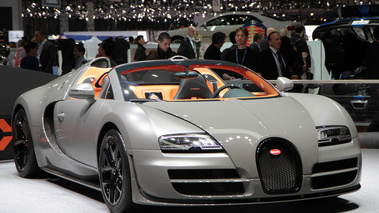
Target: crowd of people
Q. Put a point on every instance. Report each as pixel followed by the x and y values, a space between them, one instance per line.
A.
pixel 38 53
pixel 271 56
pixel 41 54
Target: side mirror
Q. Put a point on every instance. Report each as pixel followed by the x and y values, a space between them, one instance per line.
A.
pixel 82 91
pixel 284 84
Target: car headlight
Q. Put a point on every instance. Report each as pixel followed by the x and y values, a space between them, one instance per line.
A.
pixel 189 143
pixel 332 135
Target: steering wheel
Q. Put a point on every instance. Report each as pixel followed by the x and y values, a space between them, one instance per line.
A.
pixel 230 86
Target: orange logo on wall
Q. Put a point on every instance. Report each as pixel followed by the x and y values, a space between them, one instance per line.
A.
pixel 7 130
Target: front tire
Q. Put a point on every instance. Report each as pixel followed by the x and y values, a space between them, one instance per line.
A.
pixel 114 173
pixel 23 147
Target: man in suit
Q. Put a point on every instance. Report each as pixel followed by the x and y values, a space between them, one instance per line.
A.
pixel 47 52
pixel 271 64
pixel 256 44
pixel 187 46
pixel 264 43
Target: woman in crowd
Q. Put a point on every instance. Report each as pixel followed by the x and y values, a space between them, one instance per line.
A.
pixel 30 61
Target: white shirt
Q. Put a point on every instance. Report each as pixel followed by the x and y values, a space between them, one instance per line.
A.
pixel 193 45
pixel 277 62
pixel 40 46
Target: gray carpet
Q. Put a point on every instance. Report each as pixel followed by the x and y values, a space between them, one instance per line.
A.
pixel 43 195
pixel 52 194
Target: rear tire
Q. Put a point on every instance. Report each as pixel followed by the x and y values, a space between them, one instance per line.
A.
pixel 114 173
pixel 23 147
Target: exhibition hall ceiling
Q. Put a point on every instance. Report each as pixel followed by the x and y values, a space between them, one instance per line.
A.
pixel 187 9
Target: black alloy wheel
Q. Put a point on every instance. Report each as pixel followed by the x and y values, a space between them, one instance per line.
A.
pixel 24 155
pixel 114 173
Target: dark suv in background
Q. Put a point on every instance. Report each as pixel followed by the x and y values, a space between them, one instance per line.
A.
pixel 346 38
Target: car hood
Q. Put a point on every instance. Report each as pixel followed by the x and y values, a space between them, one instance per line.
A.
pixel 240 125
pixel 271 117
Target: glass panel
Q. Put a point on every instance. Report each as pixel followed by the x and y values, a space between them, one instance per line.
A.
pixel 218 21
pixel 360 32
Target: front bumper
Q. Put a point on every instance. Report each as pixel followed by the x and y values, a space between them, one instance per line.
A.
pixel 213 178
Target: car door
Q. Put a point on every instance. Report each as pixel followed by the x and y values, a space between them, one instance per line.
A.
pixel 74 122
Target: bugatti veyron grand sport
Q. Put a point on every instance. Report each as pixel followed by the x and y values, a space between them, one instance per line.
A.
pixel 172 132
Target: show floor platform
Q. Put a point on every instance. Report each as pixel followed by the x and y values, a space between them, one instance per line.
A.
pixel 52 194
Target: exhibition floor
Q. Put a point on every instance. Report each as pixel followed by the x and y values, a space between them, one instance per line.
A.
pixel 53 194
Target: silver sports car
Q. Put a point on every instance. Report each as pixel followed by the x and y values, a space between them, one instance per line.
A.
pixel 172 132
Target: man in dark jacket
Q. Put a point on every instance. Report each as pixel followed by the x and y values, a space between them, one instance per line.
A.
pixel 270 63
pixel 140 54
pixel 106 49
pixel 301 44
pixel 187 47
pixel 47 52
pixel 213 51
pixel 163 51
pixel 120 50
pixel 240 54
pixel 256 44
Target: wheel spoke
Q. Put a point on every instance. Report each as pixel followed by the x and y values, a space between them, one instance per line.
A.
pixel 21 153
pixel 111 194
pixel 24 129
pixel 108 159
pixel 116 188
pixel 110 172
pixel 20 159
pixel 116 194
pixel 19 143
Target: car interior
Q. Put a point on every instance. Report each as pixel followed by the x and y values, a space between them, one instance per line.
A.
pixel 200 83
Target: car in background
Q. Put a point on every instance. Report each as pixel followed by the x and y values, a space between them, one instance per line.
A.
pixel 173 133
pixel 345 42
pixel 228 22
pixel 346 39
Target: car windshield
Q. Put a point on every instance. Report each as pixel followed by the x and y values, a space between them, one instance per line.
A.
pixel 190 82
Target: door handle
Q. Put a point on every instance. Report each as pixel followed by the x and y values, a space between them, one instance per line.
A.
pixel 60 116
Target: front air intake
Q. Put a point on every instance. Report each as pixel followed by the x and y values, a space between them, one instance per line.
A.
pixel 279 166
